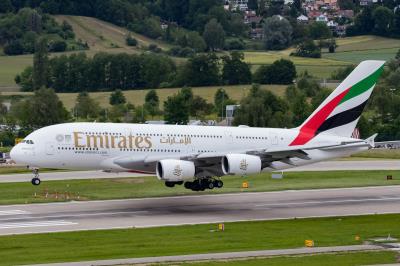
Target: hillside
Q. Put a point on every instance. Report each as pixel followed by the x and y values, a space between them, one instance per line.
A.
pixel 105 37
pixel 102 36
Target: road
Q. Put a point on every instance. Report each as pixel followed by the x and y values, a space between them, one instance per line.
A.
pixel 322 166
pixel 72 216
pixel 221 256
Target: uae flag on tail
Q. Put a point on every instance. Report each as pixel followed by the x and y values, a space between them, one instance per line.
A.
pixel 356 134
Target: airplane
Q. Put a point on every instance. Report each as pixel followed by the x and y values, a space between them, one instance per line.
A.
pixel 198 156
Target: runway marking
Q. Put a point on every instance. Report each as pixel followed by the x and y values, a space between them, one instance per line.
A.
pixel 35 224
pixel 328 201
pixel 13 212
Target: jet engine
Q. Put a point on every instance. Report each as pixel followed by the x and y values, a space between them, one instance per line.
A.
pixel 175 170
pixel 241 164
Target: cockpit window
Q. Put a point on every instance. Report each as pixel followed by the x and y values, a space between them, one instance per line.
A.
pixel 27 141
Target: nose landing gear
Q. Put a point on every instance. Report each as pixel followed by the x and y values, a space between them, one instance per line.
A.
pixel 35 180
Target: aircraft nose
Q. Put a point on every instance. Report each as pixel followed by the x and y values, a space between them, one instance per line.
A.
pixel 15 153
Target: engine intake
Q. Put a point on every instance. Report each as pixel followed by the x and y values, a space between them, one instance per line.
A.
pixel 175 170
pixel 241 164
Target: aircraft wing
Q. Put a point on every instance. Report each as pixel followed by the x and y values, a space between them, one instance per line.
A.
pixel 211 161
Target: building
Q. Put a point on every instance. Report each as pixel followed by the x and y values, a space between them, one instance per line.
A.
pixel 257 34
pixel 322 18
pixel 302 19
pixel 238 5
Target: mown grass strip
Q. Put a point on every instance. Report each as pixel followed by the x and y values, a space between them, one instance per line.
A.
pixel 179 240
pixel 122 188
pixel 343 259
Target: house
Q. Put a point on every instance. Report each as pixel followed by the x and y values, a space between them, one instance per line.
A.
pixel 367 2
pixel 250 17
pixel 348 13
pixel 238 5
pixel 332 24
pixel 257 34
pixel 322 18
pixel 302 19
pixel 340 30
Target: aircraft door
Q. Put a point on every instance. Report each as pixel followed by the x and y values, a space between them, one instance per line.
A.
pixel 50 148
pixel 228 137
pixel 273 138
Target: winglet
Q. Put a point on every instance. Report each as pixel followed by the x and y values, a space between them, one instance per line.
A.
pixel 371 140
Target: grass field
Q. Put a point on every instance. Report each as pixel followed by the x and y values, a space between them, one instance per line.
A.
pixel 139 187
pixel 192 239
pixel 342 259
pixel 10 66
pixel 106 37
pixel 379 154
pixel 359 48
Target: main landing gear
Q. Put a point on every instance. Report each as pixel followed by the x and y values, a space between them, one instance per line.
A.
pixel 35 180
pixel 198 184
pixel 203 184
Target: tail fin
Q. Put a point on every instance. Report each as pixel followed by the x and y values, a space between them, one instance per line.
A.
pixel 339 113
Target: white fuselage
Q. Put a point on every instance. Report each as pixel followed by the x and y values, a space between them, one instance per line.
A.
pixel 96 146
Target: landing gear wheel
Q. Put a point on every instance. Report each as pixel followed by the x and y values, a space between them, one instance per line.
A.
pixel 170 184
pixel 188 185
pixel 36 181
pixel 210 184
pixel 218 183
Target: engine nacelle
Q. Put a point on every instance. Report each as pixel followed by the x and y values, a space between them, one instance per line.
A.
pixel 175 170
pixel 241 164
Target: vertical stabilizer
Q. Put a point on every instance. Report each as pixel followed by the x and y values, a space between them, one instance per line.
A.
pixel 339 113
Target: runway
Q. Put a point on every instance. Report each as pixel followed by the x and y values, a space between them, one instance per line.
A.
pixel 57 217
pixel 322 166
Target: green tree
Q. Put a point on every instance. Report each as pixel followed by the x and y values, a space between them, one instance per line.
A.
pixel 130 41
pixel 152 102
pixel 44 108
pixel 262 109
pixel 86 107
pixel 176 110
pixel 308 86
pixel 277 33
pixel 342 73
pixel 253 4
pixel 235 70
pixel 220 97
pixel 200 70
pixel 299 106
pixel 117 97
pixel 319 97
pixel 6 6
pixel 308 49
pixel 199 107
pixel 40 65
pixel 280 72
pixel 346 4
pixel 364 21
pixel 25 79
pixel 319 30
pixel 383 18
pixel 214 35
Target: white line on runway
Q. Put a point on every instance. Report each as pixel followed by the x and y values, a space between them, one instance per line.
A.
pixel 79 215
pixel 327 201
pixel 35 224
pixel 13 212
